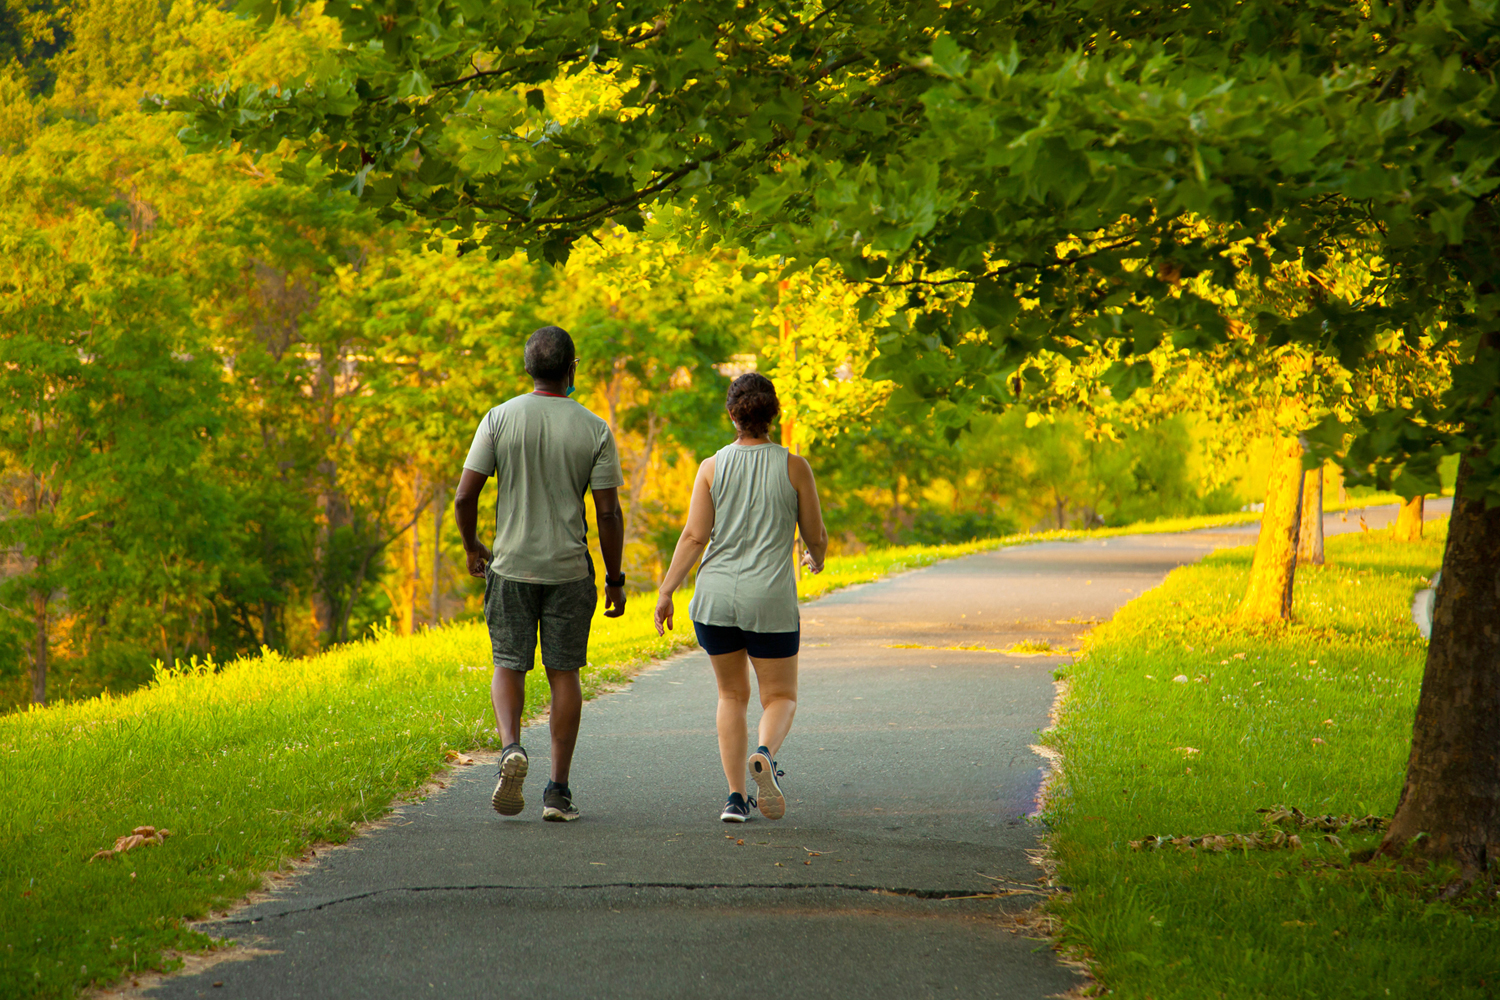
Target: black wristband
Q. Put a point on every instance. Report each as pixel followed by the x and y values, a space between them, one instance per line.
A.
pixel 614 581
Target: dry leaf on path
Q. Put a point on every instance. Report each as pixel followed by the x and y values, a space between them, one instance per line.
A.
pixel 140 836
pixel 454 757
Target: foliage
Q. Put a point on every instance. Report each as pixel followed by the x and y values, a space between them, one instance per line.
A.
pixel 298 380
pixel 1315 715
pixel 1007 167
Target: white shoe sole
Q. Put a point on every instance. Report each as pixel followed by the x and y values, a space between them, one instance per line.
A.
pixel 554 815
pixel 730 817
pixel 768 799
pixel 509 798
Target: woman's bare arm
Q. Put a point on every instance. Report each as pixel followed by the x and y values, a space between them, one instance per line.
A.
pixel 809 513
pixel 690 545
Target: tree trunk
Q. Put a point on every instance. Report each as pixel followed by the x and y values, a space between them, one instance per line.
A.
pixel 435 612
pixel 270 634
pixel 1452 791
pixel 1269 596
pixel 39 648
pixel 1310 540
pixel 1409 521
pixel 416 556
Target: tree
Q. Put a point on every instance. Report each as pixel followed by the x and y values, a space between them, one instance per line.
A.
pixel 1025 155
pixel 109 403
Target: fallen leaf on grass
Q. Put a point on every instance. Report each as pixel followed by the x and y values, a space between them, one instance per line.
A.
pixel 1320 741
pixel 1293 818
pixel 139 837
pixel 1187 751
pixel 454 757
pixel 1180 679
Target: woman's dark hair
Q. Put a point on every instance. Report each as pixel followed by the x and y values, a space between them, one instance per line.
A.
pixel 752 403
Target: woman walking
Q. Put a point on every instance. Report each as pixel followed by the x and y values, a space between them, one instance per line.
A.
pixel 748 501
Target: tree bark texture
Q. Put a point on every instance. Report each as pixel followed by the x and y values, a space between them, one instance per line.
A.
pixel 1409 521
pixel 39 649
pixel 1273 571
pixel 1310 537
pixel 435 611
pixel 416 555
pixel 1452 791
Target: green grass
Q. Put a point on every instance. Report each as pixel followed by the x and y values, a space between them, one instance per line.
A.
pixel 1317 716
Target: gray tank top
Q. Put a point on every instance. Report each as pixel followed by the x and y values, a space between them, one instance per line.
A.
pixel 746 578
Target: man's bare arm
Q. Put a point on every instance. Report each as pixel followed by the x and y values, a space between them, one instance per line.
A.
pixel 611 521
pixel 466 516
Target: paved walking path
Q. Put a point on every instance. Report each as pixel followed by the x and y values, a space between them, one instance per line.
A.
pixel 909 778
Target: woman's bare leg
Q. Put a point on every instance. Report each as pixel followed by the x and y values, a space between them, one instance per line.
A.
pixel 732 671
pixel 777 680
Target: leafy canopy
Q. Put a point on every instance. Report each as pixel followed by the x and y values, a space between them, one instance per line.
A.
pixel 1030 175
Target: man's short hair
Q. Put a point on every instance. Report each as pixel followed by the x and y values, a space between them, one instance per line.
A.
pixel 549 354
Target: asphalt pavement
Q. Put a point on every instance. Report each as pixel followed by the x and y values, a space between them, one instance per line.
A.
pixel 899 870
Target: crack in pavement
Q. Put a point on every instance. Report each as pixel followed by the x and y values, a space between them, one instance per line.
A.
pixel 932 894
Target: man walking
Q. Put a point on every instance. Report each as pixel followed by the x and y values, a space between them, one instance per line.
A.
pixel 545 452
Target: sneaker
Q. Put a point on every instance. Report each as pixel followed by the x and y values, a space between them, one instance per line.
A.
pixel 557 804
pixel 508 799
pixel 763 770
pixel 736 810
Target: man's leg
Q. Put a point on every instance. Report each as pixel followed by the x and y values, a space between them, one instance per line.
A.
pixel 508 695
pixel 567 710
pixel 510 610
pixel 567 615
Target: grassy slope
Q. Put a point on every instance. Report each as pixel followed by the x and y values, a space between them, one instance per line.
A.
pixel 1171 923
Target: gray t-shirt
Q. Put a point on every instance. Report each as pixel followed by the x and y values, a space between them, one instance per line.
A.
pixel 545 453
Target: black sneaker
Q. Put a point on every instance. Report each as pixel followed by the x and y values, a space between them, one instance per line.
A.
pixel 763 770
pixel 736 810
pixel 557 804
pixel 508 799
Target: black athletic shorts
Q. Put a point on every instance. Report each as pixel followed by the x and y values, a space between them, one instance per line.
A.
pixel 514 610
pixel 719 639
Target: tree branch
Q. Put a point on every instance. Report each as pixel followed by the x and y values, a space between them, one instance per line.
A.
pixel 1007 269
pixel 630 199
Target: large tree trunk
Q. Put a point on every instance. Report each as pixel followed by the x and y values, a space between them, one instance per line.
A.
pixel 1452 791
pixel 1409 521
pixel 1269 596
pixel 1310 538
